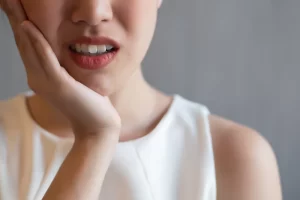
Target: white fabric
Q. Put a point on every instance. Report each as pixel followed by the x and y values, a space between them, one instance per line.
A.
pixel 174 162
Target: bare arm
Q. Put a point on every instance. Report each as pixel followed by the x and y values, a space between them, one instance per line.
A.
pixel 82 173
pixel 95 122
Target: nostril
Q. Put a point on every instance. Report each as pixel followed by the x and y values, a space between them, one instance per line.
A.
pixel 92 14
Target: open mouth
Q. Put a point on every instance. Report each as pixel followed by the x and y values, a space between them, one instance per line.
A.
pixel 92 56
pixel 92 50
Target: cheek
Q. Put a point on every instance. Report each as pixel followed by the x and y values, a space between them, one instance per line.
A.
pixel 139 20
pixel 140 15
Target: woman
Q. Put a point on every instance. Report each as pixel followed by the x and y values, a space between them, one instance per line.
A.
pixel 95 129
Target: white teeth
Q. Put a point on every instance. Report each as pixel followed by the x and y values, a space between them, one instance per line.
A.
pixel 84 48
pixel 91 49
pixel 78 48
pixel 101 48
pixel 109 47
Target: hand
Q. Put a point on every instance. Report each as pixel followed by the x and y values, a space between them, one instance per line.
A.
pixel 88 111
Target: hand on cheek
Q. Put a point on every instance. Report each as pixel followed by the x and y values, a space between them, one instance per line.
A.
pixel 47 78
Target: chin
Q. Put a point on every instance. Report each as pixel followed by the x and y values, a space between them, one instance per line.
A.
pixel 101 83
pixel 105 82
pixel 102 87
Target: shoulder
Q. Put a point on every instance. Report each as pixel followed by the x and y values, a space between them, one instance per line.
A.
pixel 4 109
pixel 10 112
pixel 7 106
pixel 246 166
pixel 6 120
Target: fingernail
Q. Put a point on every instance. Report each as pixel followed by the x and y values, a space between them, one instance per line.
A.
pixel 23 25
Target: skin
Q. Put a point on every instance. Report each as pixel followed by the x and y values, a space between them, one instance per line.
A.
pixel 127 106
pixel 246 166
pixel 123 80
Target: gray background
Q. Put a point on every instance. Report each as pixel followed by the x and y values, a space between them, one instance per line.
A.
pixel 238 57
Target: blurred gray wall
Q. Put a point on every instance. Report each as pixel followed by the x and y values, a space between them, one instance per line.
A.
pixel 240 58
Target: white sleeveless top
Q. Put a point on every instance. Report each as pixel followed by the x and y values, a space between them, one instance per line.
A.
pixel 174 162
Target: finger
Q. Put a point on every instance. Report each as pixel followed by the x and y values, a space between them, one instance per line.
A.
pixel 19 11
pixel 21 39
pixel 48 60
pixel 15 10
pixel 3 5
pixel 16 15
pixel 28 54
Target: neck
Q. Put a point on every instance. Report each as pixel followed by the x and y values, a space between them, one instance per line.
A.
pixel 138 104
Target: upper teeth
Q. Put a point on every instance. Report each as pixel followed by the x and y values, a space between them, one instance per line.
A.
pixel 93 49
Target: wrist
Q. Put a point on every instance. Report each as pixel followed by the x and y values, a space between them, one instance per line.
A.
pixel 96 137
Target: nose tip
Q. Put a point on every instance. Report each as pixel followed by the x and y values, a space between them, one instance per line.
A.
pixel 92 12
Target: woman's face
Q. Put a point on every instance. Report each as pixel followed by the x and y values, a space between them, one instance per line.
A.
pixel 130 23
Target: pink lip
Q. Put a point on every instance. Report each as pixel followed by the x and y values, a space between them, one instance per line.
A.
pixel 94 62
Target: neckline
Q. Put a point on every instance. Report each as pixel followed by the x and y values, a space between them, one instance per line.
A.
pixel 164 120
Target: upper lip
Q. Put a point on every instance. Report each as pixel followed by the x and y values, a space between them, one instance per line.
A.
pixel 96 41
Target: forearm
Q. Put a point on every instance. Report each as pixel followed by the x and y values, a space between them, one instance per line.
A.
pixel 82 173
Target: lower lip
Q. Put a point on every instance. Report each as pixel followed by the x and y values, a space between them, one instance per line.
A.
pixel 93 62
